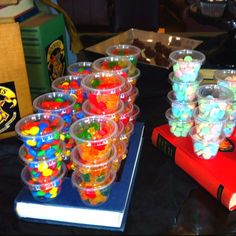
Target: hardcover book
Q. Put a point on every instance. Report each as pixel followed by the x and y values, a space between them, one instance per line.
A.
pixel 68 209
pixel 45 53
pixel 216 175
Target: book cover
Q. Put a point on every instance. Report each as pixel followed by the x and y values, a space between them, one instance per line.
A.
pixel 68 208
pixel 216 175
pixel 14 10
pixel 45 54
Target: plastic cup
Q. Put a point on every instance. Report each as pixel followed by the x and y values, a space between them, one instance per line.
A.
pixel 126 113
pixel 118 64
pixel 71 84
pixel 133 79
pixel 213 101
pixel 182 110
pixel 80 68
pixel 58 103
pixel 135 113
pixel 88 111
pixel 203 148
pixel 131 52
pixel 178 127
pixel 186 64
pixel 185 91
pixel 43 192
pixel 207 129
pixel 94 136
pixel 126 92
pixel 43 169
pixel 40 132
pixel 126 134
pixel 121 155
pixel 226 78
pixel 103 91
pixel 94 174
pixel 93 195
pixel 134 94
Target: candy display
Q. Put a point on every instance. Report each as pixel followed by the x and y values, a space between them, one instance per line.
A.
pixel 97 173
pixel 129 51
pixel 213 101
pixel 80 68
pixel 118 64
pixel 185 91
pixel 103 91
pixel 40 132
pixel 71 84
pixel 94 137
pixel 179 128
pixel 47 191
pixel 203 148
pixel 186 64
pixel 93 195
pixel 58 103
pixel 180 109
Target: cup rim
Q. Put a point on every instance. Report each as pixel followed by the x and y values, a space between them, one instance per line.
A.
pixel 79 64
pixel 172 99
pixel 222 74
pixel 123 46
pixel 173 79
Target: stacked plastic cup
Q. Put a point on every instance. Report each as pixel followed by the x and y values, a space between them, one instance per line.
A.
pixel 210 118
pixel 185 80
pixel 227 78
pixel 42 153
pixel 82 68
pixel 93 156
pixel 62 104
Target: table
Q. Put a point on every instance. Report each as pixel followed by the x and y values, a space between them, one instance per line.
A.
pixel 165 199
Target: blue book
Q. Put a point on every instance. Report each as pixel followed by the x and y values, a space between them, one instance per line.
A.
pixel 68 209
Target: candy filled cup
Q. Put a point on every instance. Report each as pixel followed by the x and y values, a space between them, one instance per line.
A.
pixel 58 103
pixel 185 91
pixel 133 79
pixel 93 195
pixel 118 64
pixel 70 84
pixel 40 132
pixel 178 127
pixel 94 137
pixel 213 101
pixel 94 174
pixel 182 110
pixel 43 192
pixel 80 68
pixel 205 149
pixel 127 50
pixel 103 90
pixel 43 169
pixel 186 64
pixel 127 133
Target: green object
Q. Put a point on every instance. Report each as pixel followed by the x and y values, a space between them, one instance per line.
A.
pixel 44 44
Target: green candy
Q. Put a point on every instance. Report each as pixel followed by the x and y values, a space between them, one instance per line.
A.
pixel 59 100
pixel 95 83
pixel 85 177
pixel 188 58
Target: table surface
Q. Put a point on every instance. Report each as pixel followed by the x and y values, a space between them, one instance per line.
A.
pixel 165 199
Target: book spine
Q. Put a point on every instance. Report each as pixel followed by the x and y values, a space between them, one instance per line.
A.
pixel 193 168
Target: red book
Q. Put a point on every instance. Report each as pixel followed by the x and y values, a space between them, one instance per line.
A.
pixel 217 175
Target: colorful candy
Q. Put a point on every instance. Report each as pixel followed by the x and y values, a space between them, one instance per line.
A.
pixel 80 68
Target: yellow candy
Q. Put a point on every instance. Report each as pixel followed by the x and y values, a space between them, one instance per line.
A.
pixel 47 172
pixel 65 83
pixel 31 143
pixel 34 130
pixel 42 166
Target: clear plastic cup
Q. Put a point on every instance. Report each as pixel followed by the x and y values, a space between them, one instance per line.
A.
pixel 127 50
pixel 178 127
pixel 103 91
pixel 205 149
pixel 121 155
pixel 118 64
pixel 185 91
pixel 43 192
pixel 93 195
pixel 80 68
pixel 94 174
pixel 94 137
pixel 133 79
pixel 186 64
pixel 126 113
pixel 58 103
pixel 127 133
pixel 134 94
pixel 40 132
pixel 88 111
pixel 135 113
pixel 182 110
pixel 71 84
pixel 126 92
pixel 207 129
pixel 44 169
pixel 213 101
